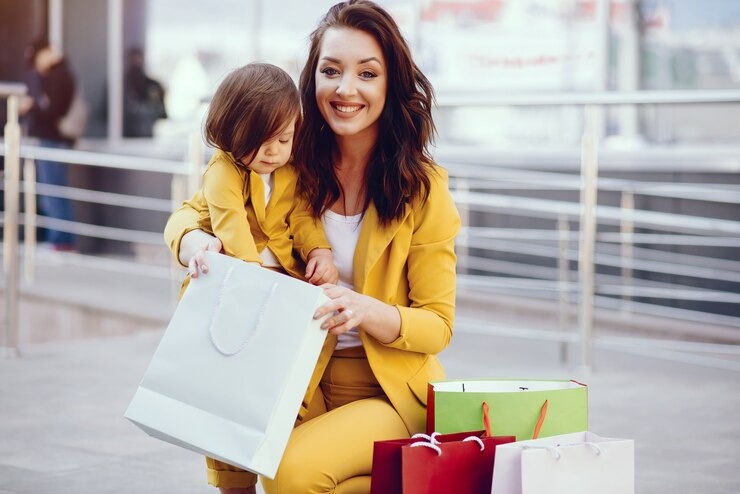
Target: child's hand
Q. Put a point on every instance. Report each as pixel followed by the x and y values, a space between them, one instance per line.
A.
pixel 197 264
pixel 320 267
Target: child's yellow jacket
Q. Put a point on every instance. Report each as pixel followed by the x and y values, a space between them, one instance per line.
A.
pixel 231 206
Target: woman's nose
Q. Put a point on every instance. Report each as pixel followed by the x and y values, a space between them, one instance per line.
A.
pixel 346 86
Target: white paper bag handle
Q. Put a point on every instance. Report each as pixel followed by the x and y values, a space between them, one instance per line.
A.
pixel 555 450
pixel 249 334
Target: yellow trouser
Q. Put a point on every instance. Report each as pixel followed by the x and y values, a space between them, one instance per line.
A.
pixel 331 449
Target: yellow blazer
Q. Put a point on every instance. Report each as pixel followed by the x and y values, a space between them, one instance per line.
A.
pixel 231 206
pixel 409 264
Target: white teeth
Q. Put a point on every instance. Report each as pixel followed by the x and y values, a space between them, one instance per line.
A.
pixel 347 109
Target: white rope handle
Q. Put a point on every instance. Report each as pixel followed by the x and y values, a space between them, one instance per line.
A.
pixel 432 439
pixel 428 445
pixel 555 450
pixel 594 447
pixel 552 449
pixel 475 438
pixel 257 326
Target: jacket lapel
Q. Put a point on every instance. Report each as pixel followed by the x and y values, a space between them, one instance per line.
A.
pixel 257 195
pixel 373 240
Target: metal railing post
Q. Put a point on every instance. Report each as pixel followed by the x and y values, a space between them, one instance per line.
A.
pixel 462 185
pixel 563 282
pixel 29 219
pixel 587 238
pixel 196 157
pixel 9 341
pixel 627 228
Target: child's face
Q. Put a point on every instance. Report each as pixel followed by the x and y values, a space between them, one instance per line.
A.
pixel 274 153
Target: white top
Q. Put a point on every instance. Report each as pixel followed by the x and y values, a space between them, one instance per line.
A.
pixel 268 258
pixel 342 233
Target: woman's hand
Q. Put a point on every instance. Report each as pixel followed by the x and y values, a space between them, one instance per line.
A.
pixel 198 243
pixel 350 309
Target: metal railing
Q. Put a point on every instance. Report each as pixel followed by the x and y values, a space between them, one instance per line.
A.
pixel 487 189
pixel 184 180
pixel 12 133
pixel 507 191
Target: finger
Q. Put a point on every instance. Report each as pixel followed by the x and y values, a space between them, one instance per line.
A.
pixel 201 260
pixel 193 268
pixel 310 269
pixel 317 277
pixel 341 322
pixel 335 322
pixel 214 245
pixel 327 308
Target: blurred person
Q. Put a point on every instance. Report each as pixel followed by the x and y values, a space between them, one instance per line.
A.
pixel 143 98
pixel 51 88
pixel 365 169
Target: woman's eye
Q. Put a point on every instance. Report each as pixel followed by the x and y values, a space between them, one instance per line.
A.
pixel 329 71
pixel 366 74
pixel 284 141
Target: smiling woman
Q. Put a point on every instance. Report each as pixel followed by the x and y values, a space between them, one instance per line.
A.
pixel 351 84
pixel 365 173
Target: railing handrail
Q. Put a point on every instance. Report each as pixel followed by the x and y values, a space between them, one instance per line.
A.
pixel 12 89
pixel 598 98
pixel 103 160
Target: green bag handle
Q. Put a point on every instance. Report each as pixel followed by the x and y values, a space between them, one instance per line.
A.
pixel 537 427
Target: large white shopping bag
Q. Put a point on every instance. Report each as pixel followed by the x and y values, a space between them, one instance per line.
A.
pixel 577 463
pixel 232 368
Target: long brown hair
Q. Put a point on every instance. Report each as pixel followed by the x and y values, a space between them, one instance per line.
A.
pixel 400 163
pixel 251 105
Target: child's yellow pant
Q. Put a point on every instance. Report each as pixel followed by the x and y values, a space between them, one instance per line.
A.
pixel 331 450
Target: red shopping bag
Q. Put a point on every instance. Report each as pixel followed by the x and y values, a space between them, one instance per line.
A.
pixel 461 463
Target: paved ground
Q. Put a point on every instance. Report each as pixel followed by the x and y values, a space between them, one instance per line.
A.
pixel 62 428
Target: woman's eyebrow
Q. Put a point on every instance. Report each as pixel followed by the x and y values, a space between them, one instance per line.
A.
pixel 364 60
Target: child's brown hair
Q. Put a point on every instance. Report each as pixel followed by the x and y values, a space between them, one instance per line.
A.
pixel 251 106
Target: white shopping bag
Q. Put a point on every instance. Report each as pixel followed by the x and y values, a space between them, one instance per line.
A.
pixel 232 368
pixel 577 463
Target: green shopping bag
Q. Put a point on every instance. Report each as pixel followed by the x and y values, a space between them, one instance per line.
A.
pixel 525 408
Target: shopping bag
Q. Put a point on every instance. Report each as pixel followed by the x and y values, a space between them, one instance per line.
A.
pixel 578 463
pixel 230 373
pixel 428 464
pixel 525 408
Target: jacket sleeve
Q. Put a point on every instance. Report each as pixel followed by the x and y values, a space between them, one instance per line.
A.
pixel 427 321
pixel 183 220
pixel 222 190
pixel 307 231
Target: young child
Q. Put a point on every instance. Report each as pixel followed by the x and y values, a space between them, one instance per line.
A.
pixel 248 198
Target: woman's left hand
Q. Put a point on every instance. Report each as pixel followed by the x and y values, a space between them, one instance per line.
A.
pixel 349 309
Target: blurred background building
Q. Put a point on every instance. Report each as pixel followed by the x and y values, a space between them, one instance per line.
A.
pixel 463 46
pixel 479 54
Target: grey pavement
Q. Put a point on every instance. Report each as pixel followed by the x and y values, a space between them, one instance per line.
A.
pixel 62 428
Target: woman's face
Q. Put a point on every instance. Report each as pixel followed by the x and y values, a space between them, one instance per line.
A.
pixel 351 82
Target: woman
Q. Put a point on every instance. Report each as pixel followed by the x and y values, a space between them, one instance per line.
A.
pixel 366 173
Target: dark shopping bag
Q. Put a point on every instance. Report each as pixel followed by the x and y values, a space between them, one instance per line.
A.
pixel 461 463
